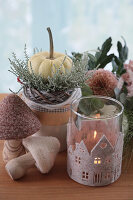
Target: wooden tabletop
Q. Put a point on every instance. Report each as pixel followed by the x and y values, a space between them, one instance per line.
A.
pixel 58 186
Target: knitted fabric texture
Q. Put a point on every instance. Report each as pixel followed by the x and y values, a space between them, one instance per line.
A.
pixel 17 121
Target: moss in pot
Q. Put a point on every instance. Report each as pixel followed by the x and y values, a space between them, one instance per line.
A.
pixel 50 82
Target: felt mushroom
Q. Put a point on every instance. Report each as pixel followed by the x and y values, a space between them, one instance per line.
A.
pixel 42 151
pixel 17 121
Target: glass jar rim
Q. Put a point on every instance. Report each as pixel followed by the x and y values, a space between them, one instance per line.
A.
pixel 98 97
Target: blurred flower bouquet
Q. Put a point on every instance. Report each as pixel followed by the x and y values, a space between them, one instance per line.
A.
pixel 117 83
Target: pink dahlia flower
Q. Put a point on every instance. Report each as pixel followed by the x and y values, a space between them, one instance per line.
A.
pixel 102 82
pixel 129 66
pixel 128 77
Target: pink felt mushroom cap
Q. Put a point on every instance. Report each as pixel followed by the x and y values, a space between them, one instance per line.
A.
pixel 17 120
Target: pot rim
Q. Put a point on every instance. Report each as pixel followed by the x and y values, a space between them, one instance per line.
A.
pixel 100 97
pixel 75 95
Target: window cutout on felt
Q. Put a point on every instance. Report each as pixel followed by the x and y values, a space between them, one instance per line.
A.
pixel 85 175
pixel 107 176
pixel 77 159
pixel 97 161
pixel 108 160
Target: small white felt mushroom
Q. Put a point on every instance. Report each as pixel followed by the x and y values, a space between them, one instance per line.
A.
pixel 17 121
pixel 42 152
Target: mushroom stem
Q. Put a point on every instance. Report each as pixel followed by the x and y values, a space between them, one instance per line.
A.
pixel 12 149
pixel 51 52
pixel 17 167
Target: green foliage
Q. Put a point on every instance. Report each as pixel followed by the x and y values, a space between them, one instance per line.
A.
pixel 89 105
pixel 123 98
pixel 101 57
pixel 86 91
pixel 121 95
pixel 86 105
pixel 59 82
pixel 128 138
pixel 129 104
pixel 76 56
pixel 118 61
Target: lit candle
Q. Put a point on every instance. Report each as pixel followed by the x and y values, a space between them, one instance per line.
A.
pixel 95 134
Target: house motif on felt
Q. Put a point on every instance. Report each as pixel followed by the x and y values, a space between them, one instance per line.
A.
pixel 101 166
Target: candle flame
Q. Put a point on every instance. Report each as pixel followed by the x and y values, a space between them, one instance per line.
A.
pixel 95 134
pixel 97 116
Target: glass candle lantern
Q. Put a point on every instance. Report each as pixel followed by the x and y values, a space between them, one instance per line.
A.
pixel 95 140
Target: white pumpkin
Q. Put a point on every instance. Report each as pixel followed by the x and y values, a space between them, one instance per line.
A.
pixel 46 64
